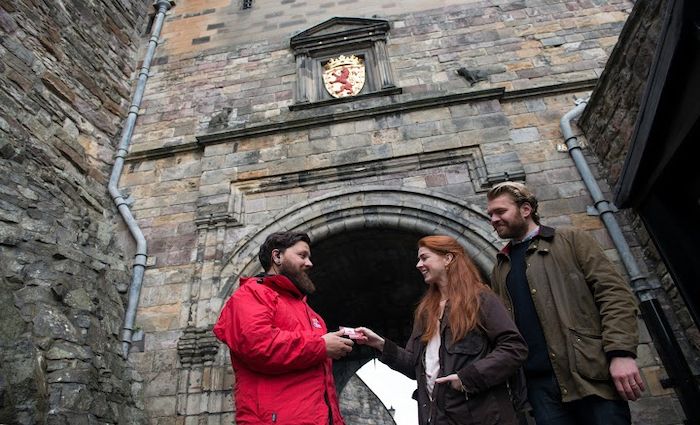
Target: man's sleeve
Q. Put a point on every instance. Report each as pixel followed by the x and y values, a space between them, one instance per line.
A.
pixel 613 296
pixel 246 327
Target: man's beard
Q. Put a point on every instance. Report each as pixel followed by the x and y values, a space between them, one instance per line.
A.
pixel 516 229
pixel 300 279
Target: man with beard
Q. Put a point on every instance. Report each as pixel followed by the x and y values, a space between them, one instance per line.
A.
pixel 280 348
pixel 576 313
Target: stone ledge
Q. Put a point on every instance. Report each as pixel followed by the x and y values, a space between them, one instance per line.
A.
pixel 337 117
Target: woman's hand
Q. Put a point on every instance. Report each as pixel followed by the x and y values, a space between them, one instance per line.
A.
pixel 366 336
pixel 453 380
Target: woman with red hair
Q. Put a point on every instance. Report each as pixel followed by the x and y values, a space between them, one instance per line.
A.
pixel 464 347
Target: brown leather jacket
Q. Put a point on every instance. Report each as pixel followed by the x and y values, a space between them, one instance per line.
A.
pixel 585 307
pixel 484 360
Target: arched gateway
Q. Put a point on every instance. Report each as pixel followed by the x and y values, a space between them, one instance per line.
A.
pixel 364 254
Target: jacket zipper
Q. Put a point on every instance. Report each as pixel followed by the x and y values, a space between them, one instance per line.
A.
pixel 326 399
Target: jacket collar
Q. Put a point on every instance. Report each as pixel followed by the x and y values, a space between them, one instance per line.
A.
pixel 546 233
pixel 276 282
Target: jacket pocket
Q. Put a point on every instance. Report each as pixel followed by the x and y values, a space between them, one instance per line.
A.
pixel 589 356
pixel 470 345
pixel 480 409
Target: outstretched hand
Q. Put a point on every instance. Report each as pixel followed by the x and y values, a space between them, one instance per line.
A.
pixel 366 336
pixel 336 345
pixel 625 375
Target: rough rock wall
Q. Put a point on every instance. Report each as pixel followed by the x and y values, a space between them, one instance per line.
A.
pixel 64 89
pixel 610 117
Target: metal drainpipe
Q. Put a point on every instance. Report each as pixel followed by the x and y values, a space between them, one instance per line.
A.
pixel 162 6
pixel 677 368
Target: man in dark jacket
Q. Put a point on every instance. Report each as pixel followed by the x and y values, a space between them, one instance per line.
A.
pixel 576 313
pixel 280 348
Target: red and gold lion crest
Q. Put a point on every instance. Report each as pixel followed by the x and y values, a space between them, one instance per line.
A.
pixel 344 76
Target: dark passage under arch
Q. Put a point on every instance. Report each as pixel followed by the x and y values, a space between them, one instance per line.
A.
pixel 366 277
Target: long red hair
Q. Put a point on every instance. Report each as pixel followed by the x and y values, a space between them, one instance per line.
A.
pixel 463 290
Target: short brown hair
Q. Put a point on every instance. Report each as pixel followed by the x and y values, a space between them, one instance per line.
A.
pixel 280 241
pixel 519 193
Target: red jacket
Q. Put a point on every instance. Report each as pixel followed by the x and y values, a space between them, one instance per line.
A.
pixel 283 374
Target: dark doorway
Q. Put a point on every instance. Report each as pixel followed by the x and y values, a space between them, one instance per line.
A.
pixel 367 278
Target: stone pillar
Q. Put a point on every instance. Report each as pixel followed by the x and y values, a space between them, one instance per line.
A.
pixel 386 76
pixel 304 79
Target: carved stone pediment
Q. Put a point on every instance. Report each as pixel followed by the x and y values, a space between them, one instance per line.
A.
pixel 337 31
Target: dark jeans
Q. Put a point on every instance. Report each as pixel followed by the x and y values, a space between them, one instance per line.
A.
pixel 545 398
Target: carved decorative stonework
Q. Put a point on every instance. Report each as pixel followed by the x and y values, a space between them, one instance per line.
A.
pixel 197 346
pixel 322 53
pixel 211 221
pixel 344 76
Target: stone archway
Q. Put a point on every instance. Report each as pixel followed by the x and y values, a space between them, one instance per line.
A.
pixel 412 210
pixel 364 251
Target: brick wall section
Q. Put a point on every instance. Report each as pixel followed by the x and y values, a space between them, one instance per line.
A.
pixel 64 88
pixel 609 121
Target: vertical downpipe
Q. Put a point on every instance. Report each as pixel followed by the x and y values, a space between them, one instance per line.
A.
pixel 162 6
pixel 677 368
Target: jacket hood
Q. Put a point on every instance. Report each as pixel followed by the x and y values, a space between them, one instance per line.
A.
pixel 277 282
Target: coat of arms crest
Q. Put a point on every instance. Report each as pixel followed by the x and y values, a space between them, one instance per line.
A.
pixel 344 76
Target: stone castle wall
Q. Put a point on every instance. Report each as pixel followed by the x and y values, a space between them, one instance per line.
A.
pixel 64 257
pixel 222 156
pixel 220 159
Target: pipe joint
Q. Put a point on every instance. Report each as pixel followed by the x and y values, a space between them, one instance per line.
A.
pixel 119 202
pixel 163 6
pixel 121 153
pixel 572 143
pixel 603 207
pixel 140 260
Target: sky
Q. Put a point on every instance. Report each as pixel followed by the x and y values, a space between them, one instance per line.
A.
pixel 393 389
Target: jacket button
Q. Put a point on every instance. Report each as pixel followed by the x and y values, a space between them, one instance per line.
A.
pixel 533 290
pixel 552 355
pixel 578 339
pixel 564 391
